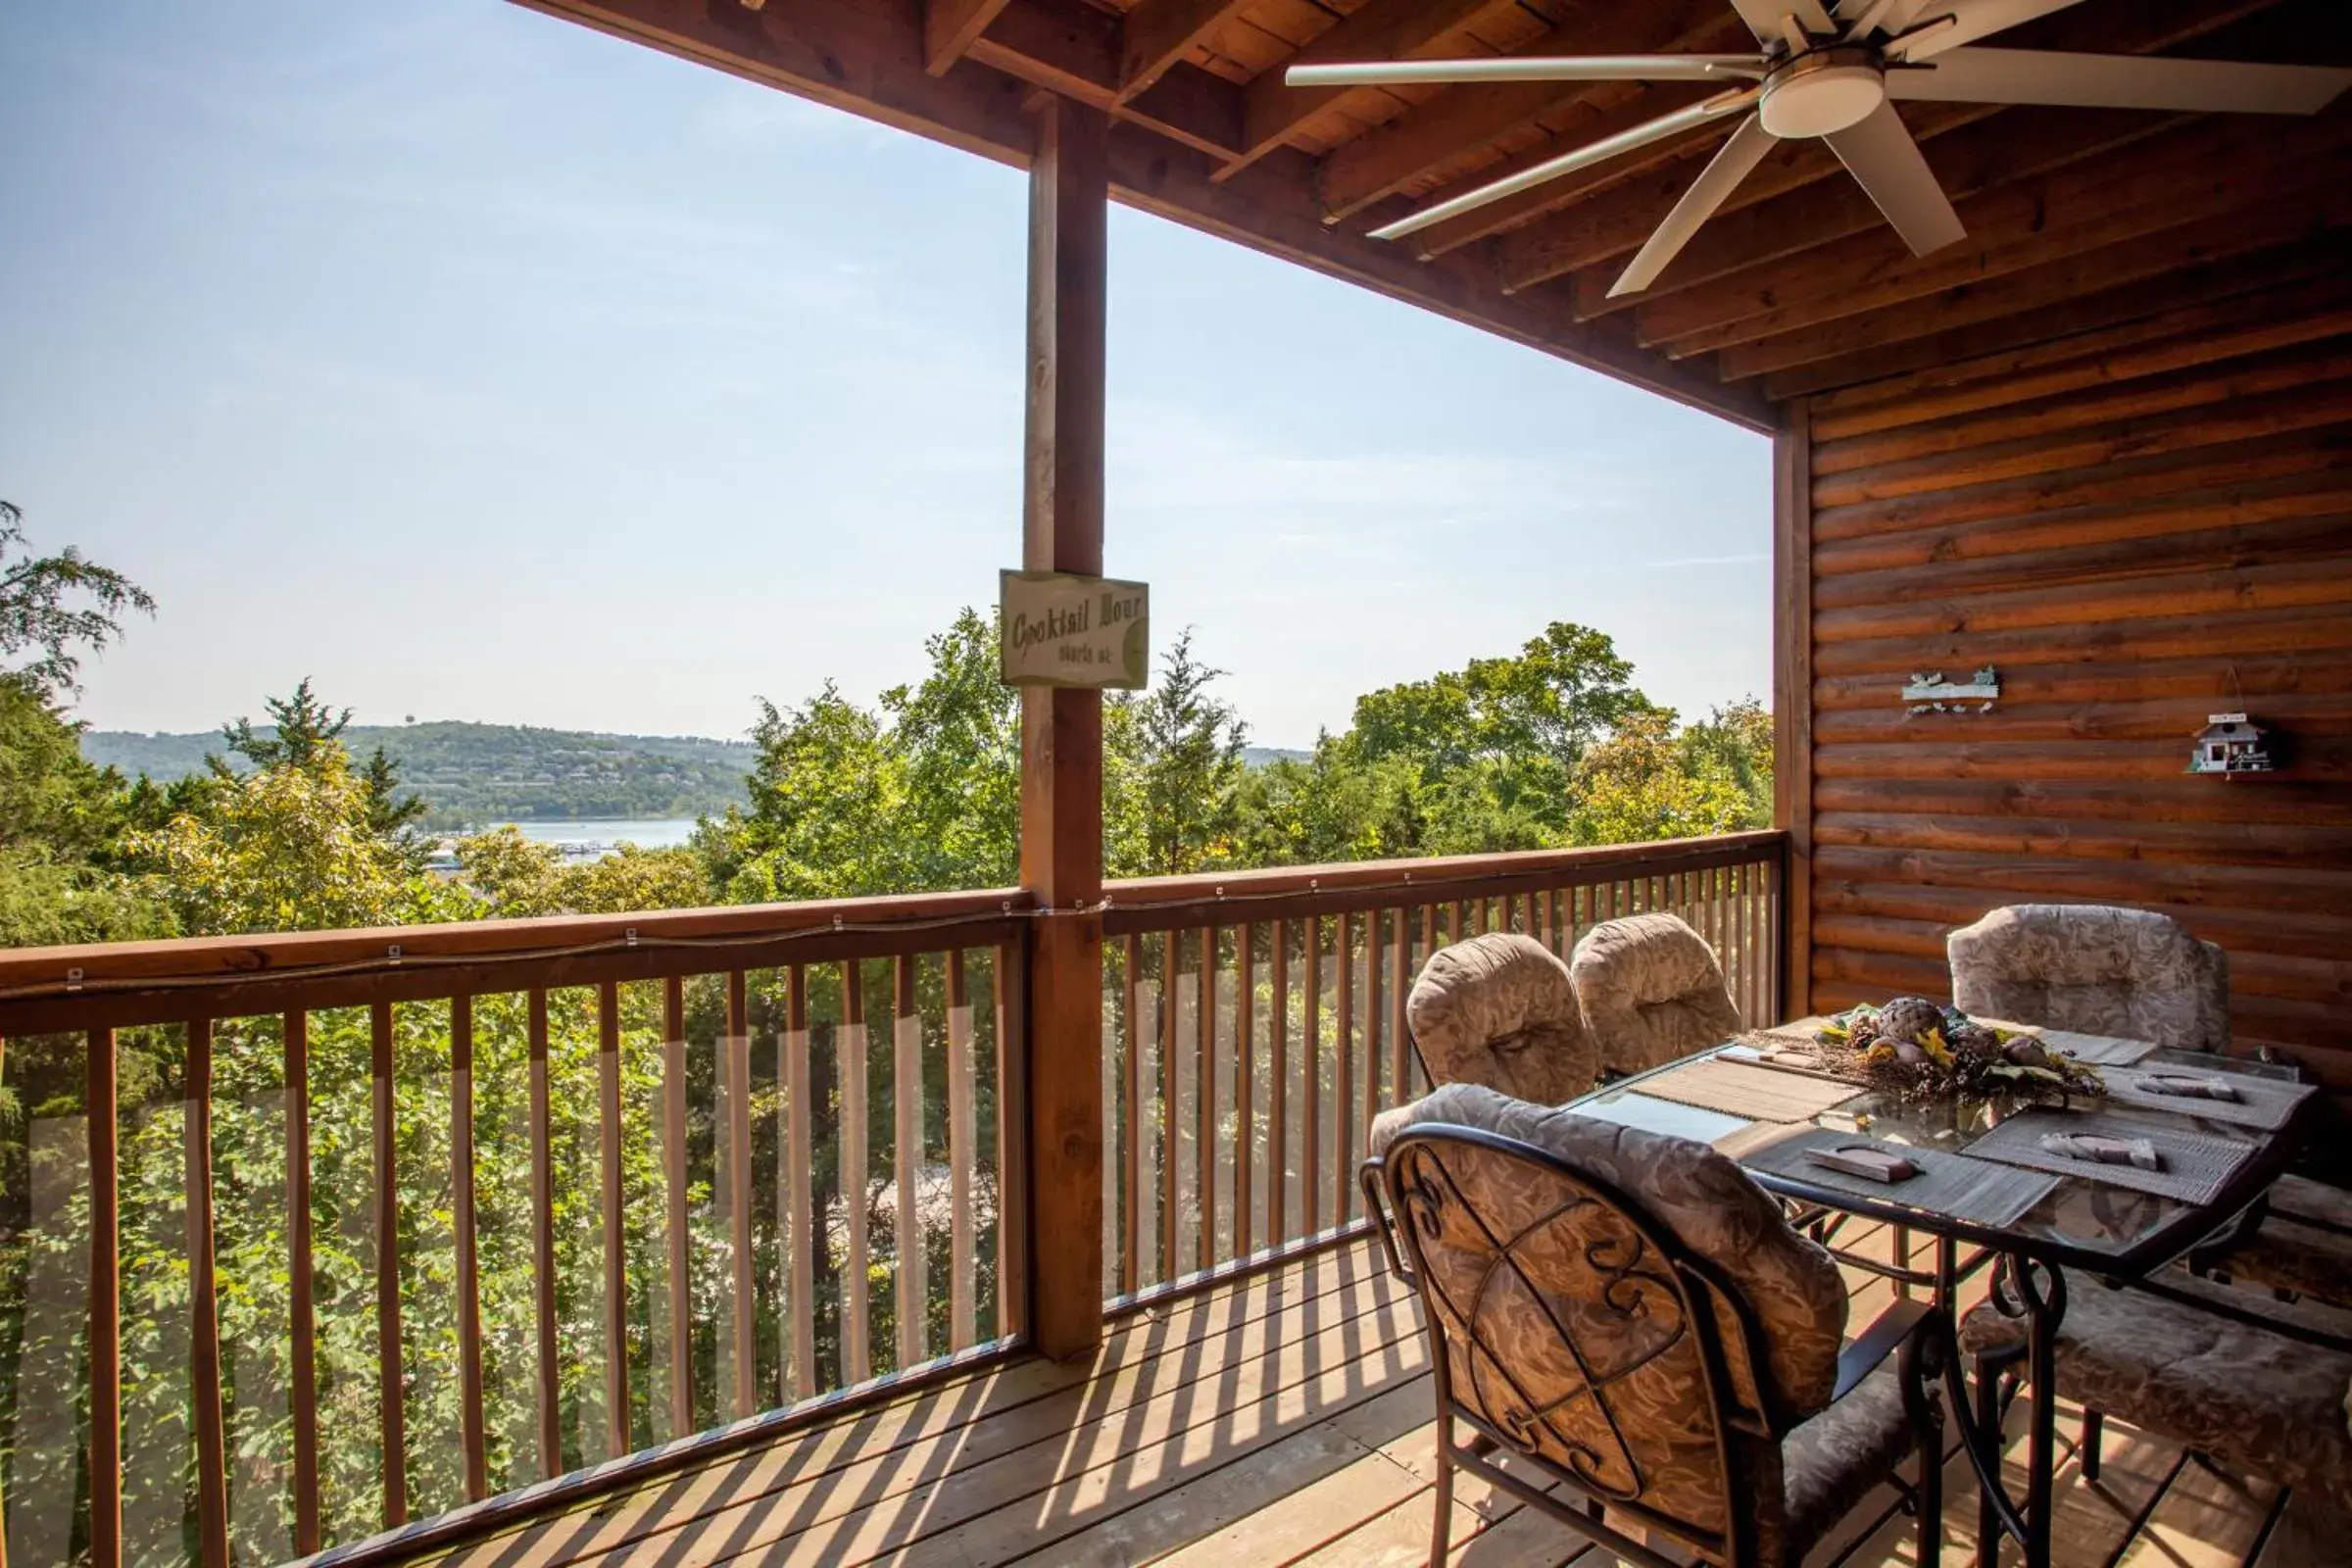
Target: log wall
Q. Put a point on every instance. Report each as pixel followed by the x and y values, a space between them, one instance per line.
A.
pixel 2136 525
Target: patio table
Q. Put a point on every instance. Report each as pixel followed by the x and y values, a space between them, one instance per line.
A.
pixel 2078 1221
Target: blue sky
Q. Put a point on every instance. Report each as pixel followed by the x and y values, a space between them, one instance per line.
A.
pixel 482 366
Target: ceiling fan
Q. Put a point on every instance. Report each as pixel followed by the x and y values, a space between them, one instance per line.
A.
pixel 1834 72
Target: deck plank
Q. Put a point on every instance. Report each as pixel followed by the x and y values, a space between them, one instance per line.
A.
pixel 1286 1419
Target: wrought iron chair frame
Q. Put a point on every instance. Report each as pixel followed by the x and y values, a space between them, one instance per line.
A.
pixel 1920 1331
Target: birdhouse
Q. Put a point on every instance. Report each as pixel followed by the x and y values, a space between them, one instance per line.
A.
pixel 2229 743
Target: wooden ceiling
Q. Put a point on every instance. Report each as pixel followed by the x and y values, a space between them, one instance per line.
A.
pixel 2076 218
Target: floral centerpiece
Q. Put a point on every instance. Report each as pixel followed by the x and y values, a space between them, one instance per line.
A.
pixel 1917 1049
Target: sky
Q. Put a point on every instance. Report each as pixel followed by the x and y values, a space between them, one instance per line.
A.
pixel 482 366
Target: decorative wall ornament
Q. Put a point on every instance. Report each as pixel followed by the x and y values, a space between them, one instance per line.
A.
pixel 2229 743
pixel 1933 694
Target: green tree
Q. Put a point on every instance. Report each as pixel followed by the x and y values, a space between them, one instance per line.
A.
pixel 57 607
pixel 303 729
pixel 958 734
pixel 1181 767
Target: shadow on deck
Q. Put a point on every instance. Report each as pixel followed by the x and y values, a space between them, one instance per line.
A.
pixel 1281 1419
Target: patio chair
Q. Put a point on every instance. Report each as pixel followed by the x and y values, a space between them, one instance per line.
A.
pixel 1500 1010
pixel 2193 1361
pixel 2108 971
pixel 2296 1242
pixel 1651 991
pixel 1626 1313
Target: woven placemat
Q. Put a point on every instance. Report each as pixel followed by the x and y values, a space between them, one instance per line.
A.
pixel 1747 1088
pixel 2097 1050
pixel 2265 1103
pixel 2195 1164
pixel 1975 1189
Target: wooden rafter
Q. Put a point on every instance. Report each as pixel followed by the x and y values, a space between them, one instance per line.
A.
pixel 1616 223
pixel 1157 34
pixel 950 27
pixel 1463 120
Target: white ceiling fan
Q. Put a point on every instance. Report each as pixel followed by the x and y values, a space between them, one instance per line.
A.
pixel 1835 74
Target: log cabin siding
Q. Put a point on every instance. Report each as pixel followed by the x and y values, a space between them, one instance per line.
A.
pixel 2136 526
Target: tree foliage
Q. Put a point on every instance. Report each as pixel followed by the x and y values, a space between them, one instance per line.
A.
pixel 57 607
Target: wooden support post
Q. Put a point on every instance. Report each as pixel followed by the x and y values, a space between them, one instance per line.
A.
pixel 1061 731
pixel 1793 704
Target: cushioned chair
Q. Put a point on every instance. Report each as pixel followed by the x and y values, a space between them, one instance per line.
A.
pixel 2186 1363
pixel 2297 1243
pixel 1651 991
pixel 2129 973
pixel 1500 1010
pixel 1628 1313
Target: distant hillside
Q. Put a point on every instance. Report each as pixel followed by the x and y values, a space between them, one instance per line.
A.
pixel 1260 755
pixel 471 775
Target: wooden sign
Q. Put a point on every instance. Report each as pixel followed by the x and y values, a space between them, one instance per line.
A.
pixel 1056 628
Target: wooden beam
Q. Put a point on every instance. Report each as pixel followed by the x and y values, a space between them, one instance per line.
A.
pixel 1061 731
pixel 950 27
pixel 1590 121
pixel 1072 49
pixel 1792 695
pixel 2295 215
pixel 1272 111
pixel 2003 148
pixel 2194 170
pixel 1157 34
pixel 1461 120
pixel 1617 223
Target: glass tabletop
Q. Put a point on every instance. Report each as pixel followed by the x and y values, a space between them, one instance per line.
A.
pixel 2082 1219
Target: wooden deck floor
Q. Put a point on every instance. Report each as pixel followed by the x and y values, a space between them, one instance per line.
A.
pixel 1281 1420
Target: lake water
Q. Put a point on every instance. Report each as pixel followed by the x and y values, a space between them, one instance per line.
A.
pixel 646 833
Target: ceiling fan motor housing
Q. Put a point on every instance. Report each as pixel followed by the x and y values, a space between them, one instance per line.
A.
pixel 1823 91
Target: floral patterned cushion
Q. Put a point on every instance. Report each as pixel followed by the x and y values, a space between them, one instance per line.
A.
pixel 1651 991
pixel 2108 971
pixel 1500 1010
pixel 1708 1202
pixel 2238 1391
pixel 2303 1245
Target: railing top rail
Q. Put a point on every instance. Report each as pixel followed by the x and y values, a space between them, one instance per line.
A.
pixel 133 981
pixel 1145 903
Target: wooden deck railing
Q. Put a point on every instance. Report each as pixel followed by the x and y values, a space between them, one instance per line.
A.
pixel 305 1236
pixel 1254 1024
pixel 317 1233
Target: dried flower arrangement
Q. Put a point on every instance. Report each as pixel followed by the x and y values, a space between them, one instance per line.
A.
pixel 1917 1049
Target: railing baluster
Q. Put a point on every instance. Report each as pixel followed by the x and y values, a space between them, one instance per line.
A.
pixel 391 1388
pixel 543 1247
pixel 1244 1072
pixel 1342 1077
pixel 962 1319
pixel 106 1307
pixel 616 1268
pixel 471 1442
pixel 1171 957
pixel 1310 1057
pixel 799 1159
pixel 1013 1144
pixel 1400 1037
pixel 1372 1021
pixel 1278 1089
pixel 302 1317
pixel 1204 1102
pixel 1131 1182
pixel 909 1298
pixel 204 1303
pixel 856 1363
pixel 674 1222
pixel 738 1177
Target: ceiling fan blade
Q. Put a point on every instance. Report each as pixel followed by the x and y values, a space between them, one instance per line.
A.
pixel 2119 81
pixel 1882 156
pixel 1763 18
pixel 1954 23
pixel 1530 68
pixel 1568 163
pixel 1733 162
